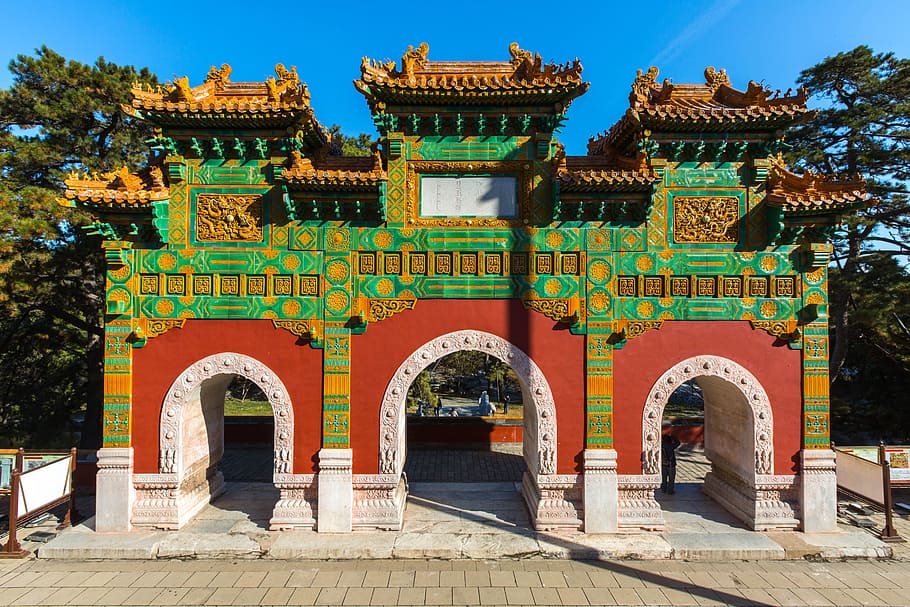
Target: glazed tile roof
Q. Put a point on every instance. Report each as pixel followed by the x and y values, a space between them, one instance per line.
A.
pixel 711 107
pixel 597 174
pixel 278 102
pixel 335 172
pixel 120 190
pixel 522 79
pixel 812 193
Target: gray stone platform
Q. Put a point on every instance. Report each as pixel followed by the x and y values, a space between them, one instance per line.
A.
pixel 466 520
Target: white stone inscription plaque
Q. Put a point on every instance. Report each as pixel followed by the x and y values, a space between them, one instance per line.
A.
pixel 481 196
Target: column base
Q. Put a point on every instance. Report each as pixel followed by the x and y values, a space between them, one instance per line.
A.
pixel 336 491
pixel 114 494
pixel 601 491
pixel 818 491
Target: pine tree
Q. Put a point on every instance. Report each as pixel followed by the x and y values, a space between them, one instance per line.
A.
pixel 57 116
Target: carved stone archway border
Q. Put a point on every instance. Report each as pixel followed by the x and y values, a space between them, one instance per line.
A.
pixel 554 500
pixel 764 500
pixel 712 366
pixel 226 363
pixel 163 500
pixel 540 451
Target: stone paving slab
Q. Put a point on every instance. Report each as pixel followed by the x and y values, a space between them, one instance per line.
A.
pixel 724 546
pixel 208 546
pixel 309 545
pixel 83 543
pixel 484 582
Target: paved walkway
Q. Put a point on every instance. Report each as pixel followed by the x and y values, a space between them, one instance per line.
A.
pixel 458 582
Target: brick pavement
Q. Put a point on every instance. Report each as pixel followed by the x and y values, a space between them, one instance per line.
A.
pixel 456 582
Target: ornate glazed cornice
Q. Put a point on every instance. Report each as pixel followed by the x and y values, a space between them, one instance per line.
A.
pixel 713 106
pixel 279 101
pixel 785 330
pixel 335 172
pixel 604 173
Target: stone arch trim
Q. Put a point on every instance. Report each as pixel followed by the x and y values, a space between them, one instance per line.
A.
pixel 714 366
pixel 543 415
pixel 225 363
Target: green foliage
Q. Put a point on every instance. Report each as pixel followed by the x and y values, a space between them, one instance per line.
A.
pixel 864 128
pixel 57 116
pixel 361 145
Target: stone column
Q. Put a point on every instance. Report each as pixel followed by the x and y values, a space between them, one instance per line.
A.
pixel 601 491
pixel 335 484
pixel 114 492
pixel 818 490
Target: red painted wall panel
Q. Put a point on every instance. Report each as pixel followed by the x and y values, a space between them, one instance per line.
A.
pixel 157 365
pixel 644 359
pixel 379 352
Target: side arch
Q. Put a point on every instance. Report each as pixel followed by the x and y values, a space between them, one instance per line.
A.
pixel 710 366
pixel 170 434
pixel 540 425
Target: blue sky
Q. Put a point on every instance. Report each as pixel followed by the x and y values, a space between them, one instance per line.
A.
pixel 768 41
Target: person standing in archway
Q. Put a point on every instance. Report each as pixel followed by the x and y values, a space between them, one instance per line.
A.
pixel 668 445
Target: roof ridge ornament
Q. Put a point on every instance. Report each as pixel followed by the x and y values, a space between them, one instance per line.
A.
pixel 219 76
pixel 287 84
pixel 414 58
pixel 716 79
pixel 642 85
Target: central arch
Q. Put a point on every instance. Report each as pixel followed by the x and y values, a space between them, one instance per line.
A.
pixel 540 420
pixel 741 476
pixel 553 500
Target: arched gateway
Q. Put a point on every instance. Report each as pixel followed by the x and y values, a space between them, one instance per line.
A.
pixel 739 441
pixel 250 232
pixel 191 439
pixel 540 420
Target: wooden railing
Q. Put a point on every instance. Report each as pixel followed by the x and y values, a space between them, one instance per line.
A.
pixel 869 479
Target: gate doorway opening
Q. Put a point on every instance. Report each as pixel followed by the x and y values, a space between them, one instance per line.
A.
pixel 465 416
pixel 464 460
pixel 228 445
pixel 685 505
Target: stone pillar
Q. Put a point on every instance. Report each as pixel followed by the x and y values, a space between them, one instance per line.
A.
pixel 114 492
pixel 601 491
pixel 818 490
pixel 335 485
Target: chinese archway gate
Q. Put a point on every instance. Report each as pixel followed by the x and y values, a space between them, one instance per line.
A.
pixel 680 247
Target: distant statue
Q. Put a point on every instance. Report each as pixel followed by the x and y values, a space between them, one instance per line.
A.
pixel 486 407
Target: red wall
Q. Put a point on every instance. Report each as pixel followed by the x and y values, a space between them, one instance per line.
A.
pixel 157 365
pixel 644 359
pixel 378 353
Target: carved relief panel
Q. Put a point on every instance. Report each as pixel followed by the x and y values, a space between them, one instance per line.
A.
pixel 706 219
pixel 224 218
